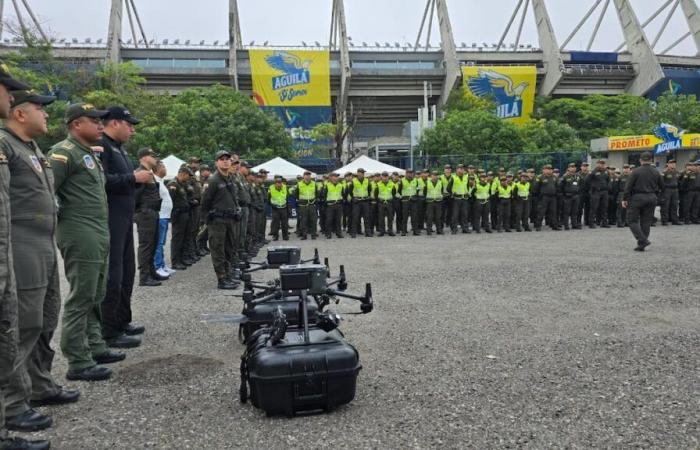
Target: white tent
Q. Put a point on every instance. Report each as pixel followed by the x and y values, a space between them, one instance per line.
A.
pixel 370 165
pixel 172 165
pixel 280 166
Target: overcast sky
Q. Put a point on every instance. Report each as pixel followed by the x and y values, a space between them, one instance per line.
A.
pixel 291 21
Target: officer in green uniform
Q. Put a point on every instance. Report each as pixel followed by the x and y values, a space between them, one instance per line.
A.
pixel 33 206
pixel 202 235
pixel 408 190
pixel 278 202
pixel 669 204
pixel 620 212
pixel 306 200
pixel 261 216
pixel 504 191
pixel 384 192
pixel 147 213
pixel 359 191
pixel 254 210
pixel 434 193
pixel 522 203
pixel 347 202
pixel 9 332
pixel 546 189
pixel 220 203
pixel 195 191
pixel 596 184
pixel 240 170
pixel 333 196
pixel 82 235
pixel 458 191
pixel 179 217
pixel 571 186
pixel 482 206
pixel 420 185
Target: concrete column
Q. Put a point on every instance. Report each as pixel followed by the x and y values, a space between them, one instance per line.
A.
pixel 550 49
pixel 646 65
pixel 114 34
pixel 692 15
pixel 449 51
pixel 345 75
pixel 234 42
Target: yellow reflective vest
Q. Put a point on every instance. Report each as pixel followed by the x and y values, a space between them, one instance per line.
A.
pixel 278 197
pixel 434 191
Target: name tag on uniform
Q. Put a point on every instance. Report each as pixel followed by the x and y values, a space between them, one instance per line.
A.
pixel 89 162
pixel 36 163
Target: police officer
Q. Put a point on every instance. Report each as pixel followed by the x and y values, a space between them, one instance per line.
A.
pixel 306 191
pixel 691 197
pixel 521 192
pixel 570 186
pixel 359 191
pixel 669 205
pixel 597 187
pixel 621 213
pixel 505 195
pixel 202 235
pixel 261 224
pixel 147 201
pixel 82 235
pixel 384 193
pixel 179 218
pixel 121 181
pixel 333 196
pixel 482 207
pixel 434 193
pixel 421 180
pixel 642 189
pixel 278 195
pixel 447 198
pixel 408 190
pixel 458 191
pixel 240 170
pixel 220 203
pixel 347 202
pixel 195 199
pixel 8 297
pixel 546 188
pixel 254 210
pixel 585 198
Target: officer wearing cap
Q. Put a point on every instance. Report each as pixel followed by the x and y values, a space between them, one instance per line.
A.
pixel 522 188
pixel 359 192
pixel 195 198
pixel 482 207
pixel 8 295
pixel 306 193
pixel 433 203
pixel 82 235
pixel 597 187
pixel 179 217
pixel 202 234
pixel 260 217
pixel 642 189
pixel 621 184
pixel 570 187
pixel 347 201
pixel 239 172
pixel 421 180
pixel 505 195
pixel 408 190
pixel 546 188
pixel 220 204
pixel 669 203
pixel 147 201
pixel 447 197
pixel 33 206
pixel 333 195
pixel 121 182
pixel 278 197
pixel 691 196
pixel 384 193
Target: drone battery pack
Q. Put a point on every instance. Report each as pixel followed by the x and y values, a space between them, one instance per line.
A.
pixel 310 277
pixel 262 314
pixel 277 256
pixel 293 377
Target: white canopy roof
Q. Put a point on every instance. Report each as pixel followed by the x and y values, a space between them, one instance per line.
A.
pixel 370 165
pixel 172 165
pixel 280 166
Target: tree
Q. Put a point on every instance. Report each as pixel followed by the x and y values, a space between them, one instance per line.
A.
pixel 550 136
pixel 682 111
pixel 460 100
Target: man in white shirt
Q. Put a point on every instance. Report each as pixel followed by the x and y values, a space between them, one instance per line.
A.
pixel 166 208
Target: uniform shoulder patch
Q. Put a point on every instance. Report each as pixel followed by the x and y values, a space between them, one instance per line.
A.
pixel 58 156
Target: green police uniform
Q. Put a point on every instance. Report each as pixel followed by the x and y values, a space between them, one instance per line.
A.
pixel 244 200
pixel 179 219
pixel 82 235
pixel 434 193
pixel 9 333
pixel 278 203
pixel 333 195
pixel 261 222
pixel 33 207
pixel 384 192
pixel 194 190
pixel 306 200
pixel 220 203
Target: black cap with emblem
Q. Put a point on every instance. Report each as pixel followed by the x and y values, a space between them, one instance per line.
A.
pixel 9 82
pixel 121 113
pixel 78 110
pixel 31 96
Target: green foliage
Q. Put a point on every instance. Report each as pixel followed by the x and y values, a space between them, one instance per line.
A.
pixel 458 100
pixel 682 111
pixel 323 131
pixel 549 136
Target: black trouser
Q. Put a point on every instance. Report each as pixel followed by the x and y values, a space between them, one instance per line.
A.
pixel 504 205
pixel 360 210
pixel 398 211
pixel 409 208
pixel 620 212
pixel 179 220
pixel 322 216
pixel 307 219
pixel 599 208
pixel 446 211
pixel 522 213
pixel 148 227
pixel 534 201
pixel 252 228
pixel 334 219
pixel 223 244
pixel 571 210
pixel 385 216
pixel 547 207
pixel 640 215
pixel 420 213
pixel 613 204
pixel 279 220
pixel 347 215
pixel 584 209
pixel 460 214
pixel 261 225
pixel 494 209
pixel 433 215
pixel 190 248
pixel 691 206
pixel 480 215
pixel 669 206
pixel 373 216
pixel 116 306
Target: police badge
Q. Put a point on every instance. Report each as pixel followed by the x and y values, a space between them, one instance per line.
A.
pixel 89 162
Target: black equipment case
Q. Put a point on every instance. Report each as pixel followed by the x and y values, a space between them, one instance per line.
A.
pixel 294 376
pixel 262 314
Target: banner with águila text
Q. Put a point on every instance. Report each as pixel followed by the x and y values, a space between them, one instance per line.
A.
pixel 512 88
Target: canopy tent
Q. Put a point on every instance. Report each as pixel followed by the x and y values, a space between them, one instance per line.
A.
pixel 370 165
pixel 172 165
pixel 280 166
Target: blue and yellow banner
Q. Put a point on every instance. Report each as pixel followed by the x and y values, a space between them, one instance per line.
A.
pixel 512 88
pixel 291 77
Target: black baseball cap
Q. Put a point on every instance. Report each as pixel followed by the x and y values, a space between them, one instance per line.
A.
pixel 222 153
pixel 121 113
pixel 204 167
pixel 78 110
pixel 9 82
pixel 31 96
pixel 146 152
pixel 185 169
pixel 195 159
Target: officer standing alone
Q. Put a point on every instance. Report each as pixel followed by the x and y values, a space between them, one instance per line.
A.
pixel 643 187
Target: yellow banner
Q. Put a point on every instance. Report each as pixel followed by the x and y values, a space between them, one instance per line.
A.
pixel 291 77
pixel 511 87
pixel 623 143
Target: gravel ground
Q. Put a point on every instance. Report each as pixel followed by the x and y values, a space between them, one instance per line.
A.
pixel 521 340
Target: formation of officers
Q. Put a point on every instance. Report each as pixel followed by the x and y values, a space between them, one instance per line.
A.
pixel 471 200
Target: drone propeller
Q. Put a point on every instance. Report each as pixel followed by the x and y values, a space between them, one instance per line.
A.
pixel 224 318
